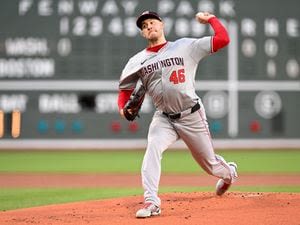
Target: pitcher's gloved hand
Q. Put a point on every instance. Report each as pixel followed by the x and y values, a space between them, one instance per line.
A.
pixel 133 105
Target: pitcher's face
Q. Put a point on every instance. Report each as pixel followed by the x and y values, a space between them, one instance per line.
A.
pixel 152 29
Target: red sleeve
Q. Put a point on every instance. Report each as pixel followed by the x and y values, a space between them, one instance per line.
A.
pixel 123 97
pixel 221 38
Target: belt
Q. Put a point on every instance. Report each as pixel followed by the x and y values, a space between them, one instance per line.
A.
pixel 175 116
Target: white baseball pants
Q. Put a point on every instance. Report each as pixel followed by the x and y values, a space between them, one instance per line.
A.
pixel 193 130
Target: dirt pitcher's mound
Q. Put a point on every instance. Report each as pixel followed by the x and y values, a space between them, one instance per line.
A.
pixel 177 209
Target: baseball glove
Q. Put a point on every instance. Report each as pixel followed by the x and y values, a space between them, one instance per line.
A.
pixel 133 105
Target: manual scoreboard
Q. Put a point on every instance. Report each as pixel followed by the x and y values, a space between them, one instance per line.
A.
pixel 60 62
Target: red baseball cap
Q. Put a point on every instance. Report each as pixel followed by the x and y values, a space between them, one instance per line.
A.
pixel 146 15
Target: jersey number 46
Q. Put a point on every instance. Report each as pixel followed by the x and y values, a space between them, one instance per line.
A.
pixel 177 76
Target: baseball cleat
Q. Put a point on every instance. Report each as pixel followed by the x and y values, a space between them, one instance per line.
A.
pixel 221 186
pixel 149 209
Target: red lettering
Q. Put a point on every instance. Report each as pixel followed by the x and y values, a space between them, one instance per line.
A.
pixel 177 76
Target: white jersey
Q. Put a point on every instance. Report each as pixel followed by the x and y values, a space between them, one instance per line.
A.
pixel 169 74
pixel 169 78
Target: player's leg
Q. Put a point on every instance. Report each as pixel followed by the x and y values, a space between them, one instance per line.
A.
pixel 193 129
pixel 160 136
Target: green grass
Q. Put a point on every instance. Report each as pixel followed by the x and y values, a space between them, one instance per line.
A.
pixel 294 189
pixel 24 198
pixel 285 161
pixel 71 161
pixel 271 162
pixel 266 161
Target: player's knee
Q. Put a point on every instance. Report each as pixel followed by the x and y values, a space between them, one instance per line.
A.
pixel 155 146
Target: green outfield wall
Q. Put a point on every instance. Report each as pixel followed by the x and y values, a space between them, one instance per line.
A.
pixel 60 63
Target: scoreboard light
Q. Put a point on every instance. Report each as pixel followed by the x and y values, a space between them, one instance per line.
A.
pixel 133 127
pixel 255 126
pixel 216 126
pixel 77 126
pixel 16 124
pixel 42 126
pixel 60 126
pixel 116 126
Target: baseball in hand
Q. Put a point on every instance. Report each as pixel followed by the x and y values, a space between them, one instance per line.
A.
pixel 200 14
pixel 203 17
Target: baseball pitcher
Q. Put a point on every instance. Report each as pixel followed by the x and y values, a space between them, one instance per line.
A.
pixel 167 72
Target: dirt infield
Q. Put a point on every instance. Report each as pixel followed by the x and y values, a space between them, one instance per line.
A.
pixel 8 180
pixel 177 209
